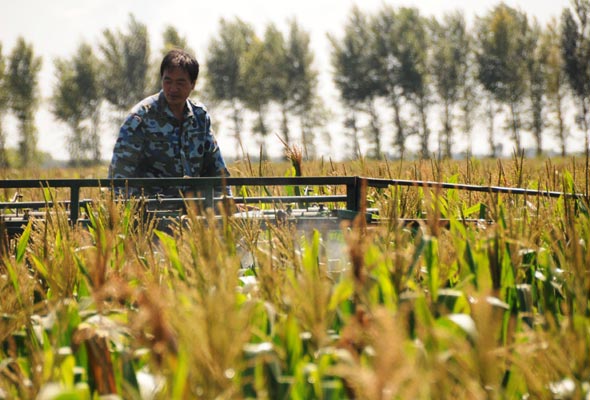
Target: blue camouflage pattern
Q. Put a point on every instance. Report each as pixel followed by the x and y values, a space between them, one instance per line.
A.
pixel 152 143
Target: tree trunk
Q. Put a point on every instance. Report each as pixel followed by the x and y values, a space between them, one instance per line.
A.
pixel 307 138
pixel 285 125
pixel 491 128
pixel 515 128
pixel 3 156
pixel 261 128
pixel 425 130
pixel 375 132
pixel 237 120
pixel 95 136
pixel 353 136
pixel 399 140
pixel 447 130
pixel 560 124
pixel 27 143
pixel 585 124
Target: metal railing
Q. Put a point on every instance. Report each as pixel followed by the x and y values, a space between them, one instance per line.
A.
pixel 354 189
pixel 203 187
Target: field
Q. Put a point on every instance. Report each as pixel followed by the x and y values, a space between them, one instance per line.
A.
pixel 228 310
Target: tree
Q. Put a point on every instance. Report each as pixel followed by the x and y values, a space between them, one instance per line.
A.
pixel 76 101
pixel 536 60
pixel 450 46
pixel 255 73
pixel 278 83
pixel 23 96
pixel 125 65
pixel 3 108
pixel 356 78
pixel 502 66
pixel 226 53
pixel 302 82
pixel 412 54
pixel 469 96
pixel 388 70
pixel 172 39
pixel 556 82
pixel 575 45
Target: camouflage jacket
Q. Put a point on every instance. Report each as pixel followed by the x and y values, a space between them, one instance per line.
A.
pixel 152 144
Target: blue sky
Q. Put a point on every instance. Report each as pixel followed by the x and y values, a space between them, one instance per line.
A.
pixel 57 27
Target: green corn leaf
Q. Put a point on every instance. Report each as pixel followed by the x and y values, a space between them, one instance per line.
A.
pixel 341 293
pixel 432 265
pixel 466 323
pixel 453 300
pixel 483 275
pixel 389 297
pixel 23 242
pixel 47 195
pixel 416 257
pixel 289 189
pixel 171 250
pixel 293 343
pixel 181 376
pixel 473 210
pixel 243 192
pixel 440 204
pixel 469 259
pixel 568 182
pixel 40 266
pixel 423 313
pixel 507 278
pixel 66 369
pixel 311 252
pixel 10 268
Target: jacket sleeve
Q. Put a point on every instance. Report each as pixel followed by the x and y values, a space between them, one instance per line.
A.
pixel 128 150
pixel 127 154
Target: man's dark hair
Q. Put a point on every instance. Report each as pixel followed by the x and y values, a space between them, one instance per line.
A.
pixel 178 58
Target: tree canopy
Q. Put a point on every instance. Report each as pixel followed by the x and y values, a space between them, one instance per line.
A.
pixel 398 75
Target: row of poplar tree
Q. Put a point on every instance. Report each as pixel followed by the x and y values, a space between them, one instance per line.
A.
pixel 391 68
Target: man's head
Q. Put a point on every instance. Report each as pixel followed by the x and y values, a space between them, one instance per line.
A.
pixel 179 71
pixel 178 58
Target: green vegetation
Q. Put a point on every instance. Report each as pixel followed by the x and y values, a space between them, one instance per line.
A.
pixel 227 310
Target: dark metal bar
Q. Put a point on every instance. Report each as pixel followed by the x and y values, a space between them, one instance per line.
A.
pixel 74 204
pixel 237 200
pixel 40 204
pixel 292 199
pixel 185 182
pixel 353 195
pixel 349 181
pixel 383 183
pixel 352 184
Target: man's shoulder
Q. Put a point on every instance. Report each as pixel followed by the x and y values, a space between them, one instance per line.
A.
pixel 197 107
pixel 147 105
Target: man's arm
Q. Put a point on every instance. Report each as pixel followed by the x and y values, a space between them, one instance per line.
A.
pixel 128 151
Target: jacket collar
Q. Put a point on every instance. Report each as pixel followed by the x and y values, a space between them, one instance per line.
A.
pixel 188 110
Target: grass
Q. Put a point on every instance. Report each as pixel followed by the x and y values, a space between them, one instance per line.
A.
pixel 227 310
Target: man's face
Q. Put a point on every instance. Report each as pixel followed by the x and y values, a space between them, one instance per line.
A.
pixel 177 86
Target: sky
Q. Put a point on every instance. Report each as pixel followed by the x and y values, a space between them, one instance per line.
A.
pixel 56 29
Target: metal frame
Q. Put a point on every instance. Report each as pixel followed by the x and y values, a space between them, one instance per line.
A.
pixel 355 187
pixel 203 186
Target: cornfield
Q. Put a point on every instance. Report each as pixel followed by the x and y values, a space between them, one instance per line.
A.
pixel 227 310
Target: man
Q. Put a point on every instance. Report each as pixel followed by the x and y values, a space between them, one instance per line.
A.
pixel 168 134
